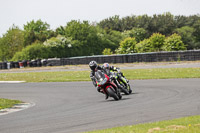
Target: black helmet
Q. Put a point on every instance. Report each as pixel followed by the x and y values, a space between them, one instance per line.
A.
pixel 93 65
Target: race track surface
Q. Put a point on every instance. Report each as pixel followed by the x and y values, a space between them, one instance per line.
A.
pixel 73 107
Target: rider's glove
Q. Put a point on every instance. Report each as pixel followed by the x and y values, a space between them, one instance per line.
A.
pixel 118 71
pixel 98 88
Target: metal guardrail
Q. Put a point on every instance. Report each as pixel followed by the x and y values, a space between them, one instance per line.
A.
pixel 189 55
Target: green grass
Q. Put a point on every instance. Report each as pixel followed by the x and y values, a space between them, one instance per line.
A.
pixel 7 103
pixel 182 125
pixel 131 74
pixel 162 73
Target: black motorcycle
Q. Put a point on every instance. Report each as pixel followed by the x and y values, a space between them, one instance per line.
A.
pixel 122 82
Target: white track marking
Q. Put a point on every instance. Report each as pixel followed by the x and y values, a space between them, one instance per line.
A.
pixel 15 108
pixel 12 81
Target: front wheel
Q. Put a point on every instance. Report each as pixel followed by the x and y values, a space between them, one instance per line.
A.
pixel 124 89
pixel 120 96
pixel 130 90
pixel 112 93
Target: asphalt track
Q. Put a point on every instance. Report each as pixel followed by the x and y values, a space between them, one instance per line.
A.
pixel 72 107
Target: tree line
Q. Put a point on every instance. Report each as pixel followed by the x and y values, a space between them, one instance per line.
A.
pixel 114 35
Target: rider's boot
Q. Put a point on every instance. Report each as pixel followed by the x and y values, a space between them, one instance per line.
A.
pixel 106 96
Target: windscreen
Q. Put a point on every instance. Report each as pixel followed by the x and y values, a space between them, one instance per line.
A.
pixel 107 71
pixel 99 76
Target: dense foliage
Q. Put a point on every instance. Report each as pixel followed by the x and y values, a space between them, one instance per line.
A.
pixel 127 46
pixel 34 51
pixel 114 35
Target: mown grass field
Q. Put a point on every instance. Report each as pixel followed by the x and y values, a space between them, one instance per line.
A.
pixel 7 103
pixel 182 125
pixel 131 74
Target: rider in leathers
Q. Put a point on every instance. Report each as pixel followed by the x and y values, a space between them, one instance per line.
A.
pixel 120 77
pixel 94 67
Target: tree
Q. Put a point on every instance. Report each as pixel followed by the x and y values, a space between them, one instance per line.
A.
pixel 90 41
pixel 36 31
pixel 127 23
pixel 173 43
pixel 112 38
pixel 59 46
pixel 113 23
pixel 60 30
pixel 34 51
pixel 197 30
pixel 180 21
pixel 163 24
pixel 139 33
pixel 186 34
pixel 11 42
pixel 143 21
pixel 127 46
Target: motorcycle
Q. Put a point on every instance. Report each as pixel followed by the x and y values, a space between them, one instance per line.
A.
pixel 124 82
pixel 106 85
pixel 120 81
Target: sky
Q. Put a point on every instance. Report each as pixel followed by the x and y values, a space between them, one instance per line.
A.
pixel 59 12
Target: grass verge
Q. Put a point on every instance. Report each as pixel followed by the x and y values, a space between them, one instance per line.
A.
pixel 131 74
pixel 7 103
pixel 182 125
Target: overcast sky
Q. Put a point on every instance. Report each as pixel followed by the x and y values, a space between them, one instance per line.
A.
pixel 59 12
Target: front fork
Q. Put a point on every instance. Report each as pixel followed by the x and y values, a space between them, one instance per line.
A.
pixel 117 84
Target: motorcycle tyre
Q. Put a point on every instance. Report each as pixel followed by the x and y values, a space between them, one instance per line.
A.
pixel 125 90
pixel 130 90
pixel 111 93
pixel 120 96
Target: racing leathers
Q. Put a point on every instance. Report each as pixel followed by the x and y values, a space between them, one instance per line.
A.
pixel 108 72
pixel 92 73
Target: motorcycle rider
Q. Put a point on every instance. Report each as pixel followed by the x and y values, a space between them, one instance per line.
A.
pixel 107 68
pixel 94 67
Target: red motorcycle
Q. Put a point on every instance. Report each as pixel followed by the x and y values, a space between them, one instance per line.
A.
pixel 107 85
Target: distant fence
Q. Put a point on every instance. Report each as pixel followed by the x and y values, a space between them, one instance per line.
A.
pixel 190 55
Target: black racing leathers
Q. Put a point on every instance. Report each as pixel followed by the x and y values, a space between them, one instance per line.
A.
pixel 92 75
pixel 103 69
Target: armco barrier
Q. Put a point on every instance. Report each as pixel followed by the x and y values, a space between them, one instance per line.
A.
pixel 190 55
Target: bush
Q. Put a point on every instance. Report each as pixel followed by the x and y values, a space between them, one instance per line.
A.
pixel 127 46
pixel 34 51
pixel 107 51
pixel 143 46
pixel 59 46
pixel 153 44
pixel 174 43
pixel 157 41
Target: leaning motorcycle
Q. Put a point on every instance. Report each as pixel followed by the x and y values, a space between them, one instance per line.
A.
pixel 124 83
pixel 106 85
